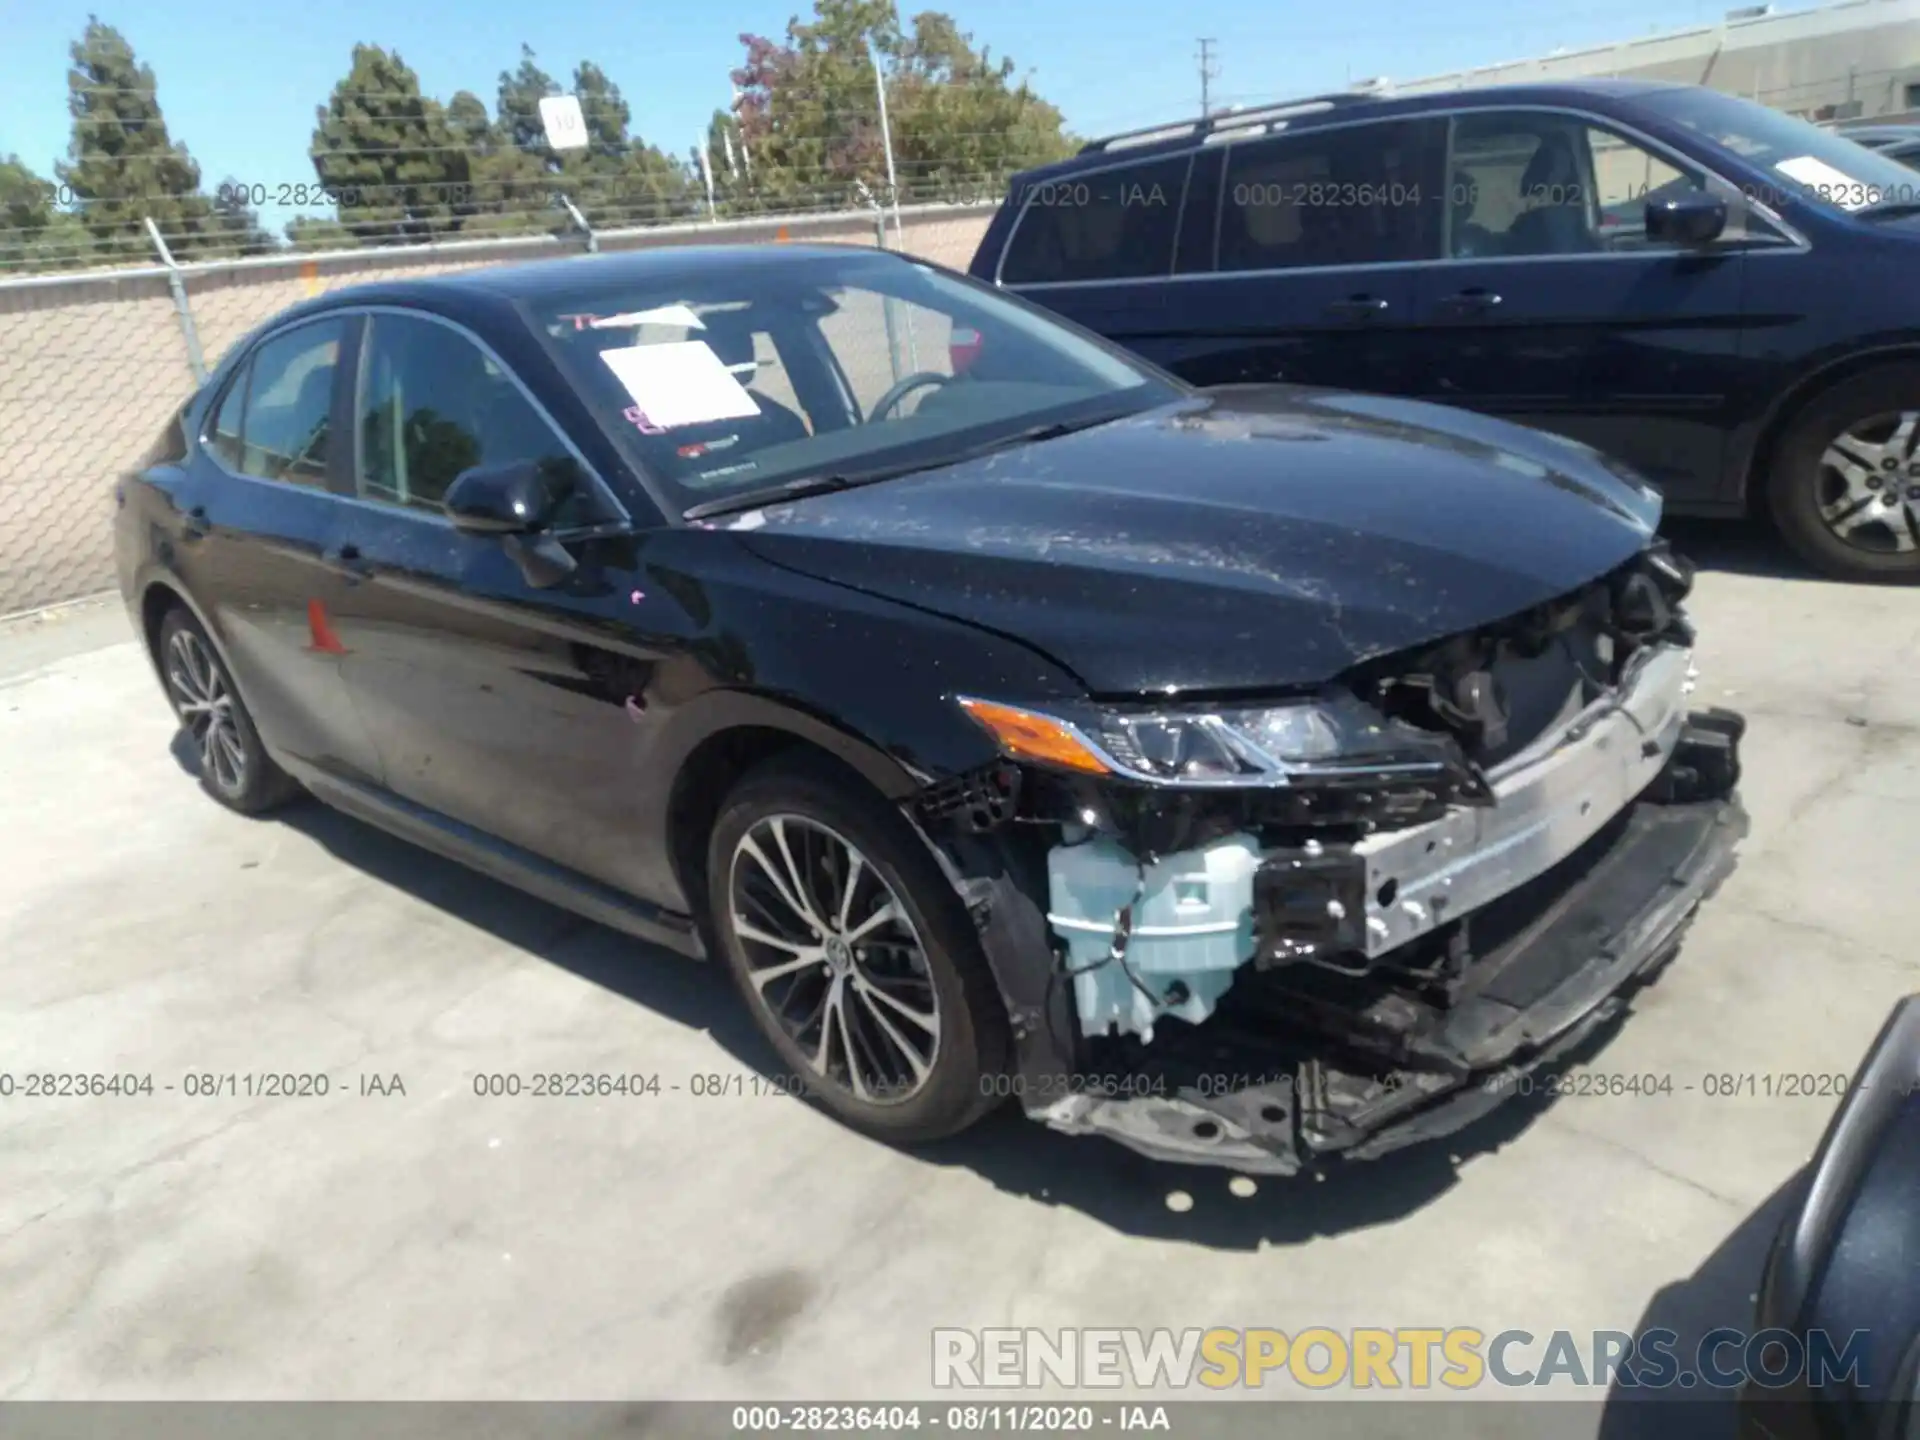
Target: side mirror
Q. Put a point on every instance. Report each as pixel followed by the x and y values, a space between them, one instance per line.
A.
pixel 518 502
pixel 1839 1289
pixel 520 498
pixel 1691 219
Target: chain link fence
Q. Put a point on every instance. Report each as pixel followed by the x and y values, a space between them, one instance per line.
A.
pixel 92 366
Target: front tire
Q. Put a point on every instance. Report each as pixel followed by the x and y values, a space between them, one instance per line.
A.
pixel 1845 485
pixel 853 953
pixel 235 768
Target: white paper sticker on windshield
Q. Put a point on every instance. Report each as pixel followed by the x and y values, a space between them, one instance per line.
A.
pixel 683 383
pixel 1835 185
pixel 665 315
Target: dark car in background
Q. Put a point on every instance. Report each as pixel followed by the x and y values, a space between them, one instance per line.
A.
pixel 1713 292
pixel 1896 142
pixel 1251 777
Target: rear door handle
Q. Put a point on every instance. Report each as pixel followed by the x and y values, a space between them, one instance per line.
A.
pixel 1468 302
pixel 1357 307
pixel 348 561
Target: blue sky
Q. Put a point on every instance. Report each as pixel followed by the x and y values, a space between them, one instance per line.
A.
pixel 239 79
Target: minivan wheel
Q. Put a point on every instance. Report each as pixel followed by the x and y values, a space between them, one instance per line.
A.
pixel 854 954
pixel 1845 487
pixel 235 768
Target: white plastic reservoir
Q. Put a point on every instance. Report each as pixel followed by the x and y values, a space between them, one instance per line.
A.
pixel 1193 925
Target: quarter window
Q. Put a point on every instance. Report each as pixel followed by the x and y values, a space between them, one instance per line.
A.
pixel 1352 195
pixel 1113 224
pixel 433 404
pixel 274 420
pixel 224 438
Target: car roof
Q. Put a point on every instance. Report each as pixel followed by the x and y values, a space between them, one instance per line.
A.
pixel 487 287
pixel 1312 112
pixel 484 297
pixel 1884 134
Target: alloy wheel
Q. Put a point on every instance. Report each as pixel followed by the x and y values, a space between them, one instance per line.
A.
pixel 205 703
pixel 1869 484
pixel 834 958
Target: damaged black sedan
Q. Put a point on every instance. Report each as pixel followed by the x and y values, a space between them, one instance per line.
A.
pixel 1251 776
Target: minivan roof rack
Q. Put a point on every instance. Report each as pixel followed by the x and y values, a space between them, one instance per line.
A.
pixel 1230 119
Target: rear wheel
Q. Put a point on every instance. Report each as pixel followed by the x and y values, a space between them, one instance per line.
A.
pixel 854 954
pixel 235 768
pixel 1845 487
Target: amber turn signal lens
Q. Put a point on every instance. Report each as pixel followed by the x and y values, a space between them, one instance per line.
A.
pixel 1027 736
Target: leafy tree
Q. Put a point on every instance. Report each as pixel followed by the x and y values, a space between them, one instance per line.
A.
pixel 387 152
pixel 959 118
pixel 122 166
pixel 35 233
pixel 809 117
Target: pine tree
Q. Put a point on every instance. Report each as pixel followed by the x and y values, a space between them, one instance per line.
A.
pixel 618 180
pixel 121 164
pixel 386 151
pixel 236 224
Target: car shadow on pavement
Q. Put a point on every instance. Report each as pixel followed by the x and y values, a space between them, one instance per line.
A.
pixel 1736 547
pixel 1202 1205
pixel 1109 1183
pixel 1719 1294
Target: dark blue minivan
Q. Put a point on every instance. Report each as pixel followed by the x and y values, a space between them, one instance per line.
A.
pixel 1724 297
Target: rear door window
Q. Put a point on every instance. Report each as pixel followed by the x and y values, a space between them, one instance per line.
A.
pixel 1112 224
pixel 1348 195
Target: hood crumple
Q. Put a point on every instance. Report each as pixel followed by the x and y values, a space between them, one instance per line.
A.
pixel 1265 537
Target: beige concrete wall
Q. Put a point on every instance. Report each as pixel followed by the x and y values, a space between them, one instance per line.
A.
pixel 92 367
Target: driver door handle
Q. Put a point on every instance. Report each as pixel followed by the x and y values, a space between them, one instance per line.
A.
pixel 1358 307
pixel 1468 302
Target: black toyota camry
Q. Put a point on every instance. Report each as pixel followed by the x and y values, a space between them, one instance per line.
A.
pixel 1251 775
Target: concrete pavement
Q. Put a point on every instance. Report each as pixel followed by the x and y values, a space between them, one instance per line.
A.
pixel 403 1237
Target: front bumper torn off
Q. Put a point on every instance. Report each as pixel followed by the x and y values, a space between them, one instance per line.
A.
pixel 1613 916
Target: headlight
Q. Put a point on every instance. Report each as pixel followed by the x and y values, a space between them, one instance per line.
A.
pixel 1331 736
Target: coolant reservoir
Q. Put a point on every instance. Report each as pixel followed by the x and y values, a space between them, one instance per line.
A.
pixel 1192 928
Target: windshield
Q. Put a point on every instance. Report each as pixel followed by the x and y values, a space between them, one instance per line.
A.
pixel 1803 161
pixel 781 370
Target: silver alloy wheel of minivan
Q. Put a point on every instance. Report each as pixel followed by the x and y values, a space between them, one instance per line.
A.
pixel 1870 483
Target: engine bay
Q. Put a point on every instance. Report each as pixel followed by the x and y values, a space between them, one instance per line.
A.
pixel 1376 932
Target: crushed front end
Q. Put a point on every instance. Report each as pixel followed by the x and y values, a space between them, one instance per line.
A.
pixel 1256 934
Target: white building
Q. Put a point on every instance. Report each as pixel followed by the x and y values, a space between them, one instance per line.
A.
pixel 1857 60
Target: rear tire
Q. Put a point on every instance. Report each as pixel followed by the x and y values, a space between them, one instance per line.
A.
pixel 1845 483
pixel 890 1020
pixel 235 768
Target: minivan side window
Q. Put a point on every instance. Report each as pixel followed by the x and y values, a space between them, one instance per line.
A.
pixel 1528 183
pixel 431 404
pixel 273 421
pixel 1115 224
pixel 1347 195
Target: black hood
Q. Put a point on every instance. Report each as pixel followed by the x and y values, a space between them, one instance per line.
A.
pixel 1260 537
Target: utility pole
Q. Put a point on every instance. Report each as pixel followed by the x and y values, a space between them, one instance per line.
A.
pixel 1208 73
